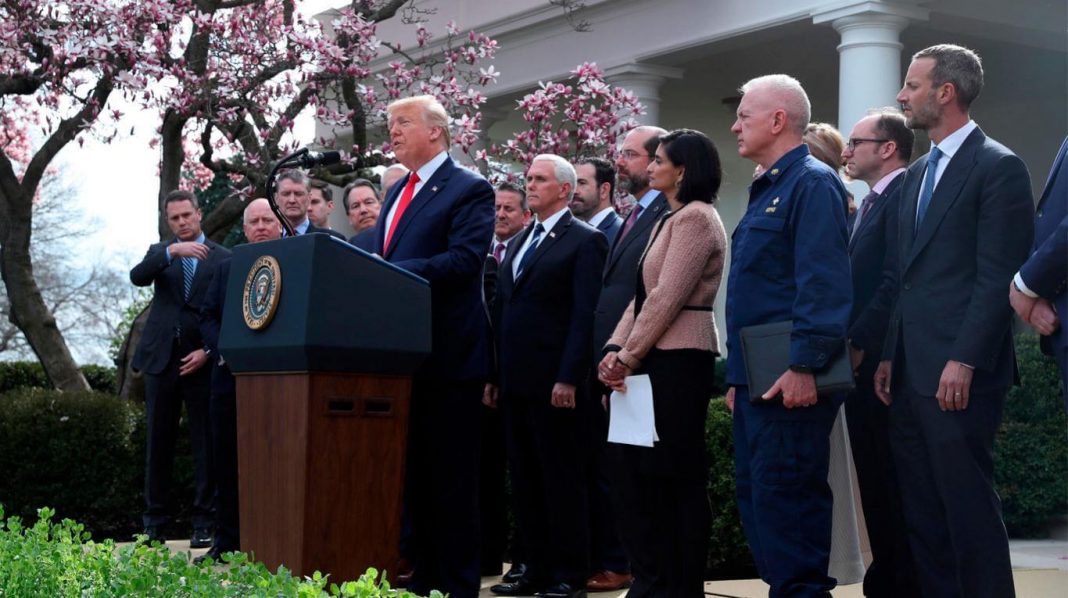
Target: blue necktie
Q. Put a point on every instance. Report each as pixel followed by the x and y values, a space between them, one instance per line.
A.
pixel 928 185
pixel 534 238
pixel 189 269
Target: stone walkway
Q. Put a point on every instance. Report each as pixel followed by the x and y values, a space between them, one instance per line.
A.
pixel 1040 568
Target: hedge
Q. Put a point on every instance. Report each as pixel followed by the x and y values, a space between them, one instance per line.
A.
pixel 22 374
pixel 51 559
pixel 83 454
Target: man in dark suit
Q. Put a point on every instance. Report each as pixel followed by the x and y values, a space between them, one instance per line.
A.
pixel 592 202
pixel 964 227
pixel 437 223
pixel 1039 291
pixel 259 224
pixel 610 566
pixel 172 356
pixel 878 151
pixel 362 204
pixel 512 216
pixel 546 291
pixel 293 197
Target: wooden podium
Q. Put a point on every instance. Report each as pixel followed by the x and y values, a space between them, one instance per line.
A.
pixel 322 404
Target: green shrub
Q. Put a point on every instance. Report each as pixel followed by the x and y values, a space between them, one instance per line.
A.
pixel 728 552
pixel 81 452
pixel 58 559
pixel 1031 451
pixel 23 374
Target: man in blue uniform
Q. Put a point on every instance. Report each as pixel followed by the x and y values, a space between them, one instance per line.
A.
pixel 789 262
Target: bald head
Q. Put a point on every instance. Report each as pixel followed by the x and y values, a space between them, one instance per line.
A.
pixel 259 222
pixel 772 117
pixel 782 92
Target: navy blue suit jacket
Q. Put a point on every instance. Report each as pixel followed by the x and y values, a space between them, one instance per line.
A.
pixel 868 248
pixel 952 274
pixel 610 226
pixel 442 237
pixel 543 321
pixel 171 312
pixel 1046 271
pixel 222 380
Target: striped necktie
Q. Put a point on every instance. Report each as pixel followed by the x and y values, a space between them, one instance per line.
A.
pixel 189 270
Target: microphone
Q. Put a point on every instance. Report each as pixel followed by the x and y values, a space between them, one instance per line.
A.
pixel 311 159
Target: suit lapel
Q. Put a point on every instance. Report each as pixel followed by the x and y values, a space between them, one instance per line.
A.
pixel 431 188
pixel 645 221
pixel 946 192
pixel 877 209
pixel 1058 165
pixel 546 244
pixel 504 273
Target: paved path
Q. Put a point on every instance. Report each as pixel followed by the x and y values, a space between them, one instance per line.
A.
pixel 1040 568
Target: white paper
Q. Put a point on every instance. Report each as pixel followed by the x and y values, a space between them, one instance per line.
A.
pixel 632 420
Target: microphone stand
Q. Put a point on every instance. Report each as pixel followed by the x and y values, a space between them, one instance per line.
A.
pixel 272 185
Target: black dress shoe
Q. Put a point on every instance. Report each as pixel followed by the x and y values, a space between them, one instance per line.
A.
pixel 562 590
pixel 520 587
pixel 201 538
pixel 517 571
pixel 154 533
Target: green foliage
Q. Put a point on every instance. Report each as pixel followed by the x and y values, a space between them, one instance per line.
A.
pixel 82 452
pixel 30 374
pixel 728 552
pixel 1031 451
pixel 51 559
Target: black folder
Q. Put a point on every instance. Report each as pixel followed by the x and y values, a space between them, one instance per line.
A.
pixel 766 353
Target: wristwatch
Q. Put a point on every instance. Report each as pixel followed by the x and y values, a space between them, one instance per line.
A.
pixel 801 369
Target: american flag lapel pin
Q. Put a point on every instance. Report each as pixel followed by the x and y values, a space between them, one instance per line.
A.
pixel 552 235
pixel 434 189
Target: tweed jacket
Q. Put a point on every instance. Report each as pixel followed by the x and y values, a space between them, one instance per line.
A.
pixel 681 270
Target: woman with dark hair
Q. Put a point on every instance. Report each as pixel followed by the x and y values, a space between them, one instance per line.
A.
pixel 669 332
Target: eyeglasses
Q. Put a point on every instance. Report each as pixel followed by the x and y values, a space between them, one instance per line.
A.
pixel 853 143
pixel 633 155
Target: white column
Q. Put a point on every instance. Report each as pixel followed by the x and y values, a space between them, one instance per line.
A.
pixel 644 81
pixel 869 57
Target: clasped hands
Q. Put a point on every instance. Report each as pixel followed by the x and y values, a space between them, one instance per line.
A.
pixel 189 249
pixel 1038 312
pixel 612 372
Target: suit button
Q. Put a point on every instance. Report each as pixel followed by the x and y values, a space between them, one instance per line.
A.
pixel 908 286
pixel 822 356
pixel 1039 214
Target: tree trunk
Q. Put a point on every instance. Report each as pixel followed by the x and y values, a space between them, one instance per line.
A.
pixel 28 309
pixel 170 166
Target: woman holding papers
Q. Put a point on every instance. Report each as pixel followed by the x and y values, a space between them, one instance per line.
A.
pixel 668 332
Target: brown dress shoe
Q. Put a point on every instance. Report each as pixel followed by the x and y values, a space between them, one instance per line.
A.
pixel 609 581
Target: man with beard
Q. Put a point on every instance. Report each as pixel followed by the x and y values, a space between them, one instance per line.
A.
pixel 965 226
pixel 593 196
pixel 611 570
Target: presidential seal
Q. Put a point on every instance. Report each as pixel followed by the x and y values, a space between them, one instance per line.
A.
pixel 263 287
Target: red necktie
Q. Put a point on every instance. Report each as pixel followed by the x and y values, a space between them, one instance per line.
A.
pixel 405 199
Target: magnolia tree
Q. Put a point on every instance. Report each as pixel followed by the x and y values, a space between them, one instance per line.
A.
pixel 584 116
pixel 59 64
pixel 242 72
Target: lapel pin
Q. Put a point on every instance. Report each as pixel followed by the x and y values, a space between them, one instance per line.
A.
pixel 552 235
pixel 769 210
pixel 775 201
pixel 434 189
pixel 774 171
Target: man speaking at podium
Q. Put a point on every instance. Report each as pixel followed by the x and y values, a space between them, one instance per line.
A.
pixel 437 223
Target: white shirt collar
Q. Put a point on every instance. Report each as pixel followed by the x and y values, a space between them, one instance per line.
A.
pixel 302 228
pixel 599 217
pixel 427 170
pixel 551 221
pixel 954 140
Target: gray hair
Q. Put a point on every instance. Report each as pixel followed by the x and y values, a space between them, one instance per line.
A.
pixel 957 65
pixel 297 176
pixel 257 202
pixel 562 170
pixel 789 92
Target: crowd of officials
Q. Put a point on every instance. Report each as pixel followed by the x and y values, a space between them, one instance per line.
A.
pixel 545 300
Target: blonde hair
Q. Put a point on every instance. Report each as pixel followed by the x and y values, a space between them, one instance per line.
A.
pixel 433 113
pixel 825 143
